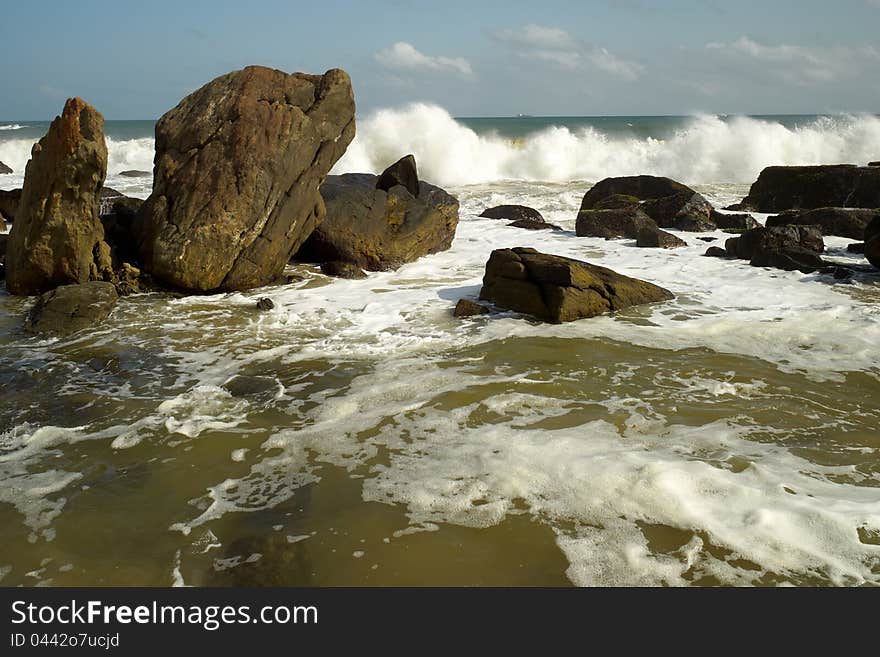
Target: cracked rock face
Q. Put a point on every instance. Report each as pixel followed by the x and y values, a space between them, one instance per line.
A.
pixel 238 168
pixel 57 237
pixel 558 289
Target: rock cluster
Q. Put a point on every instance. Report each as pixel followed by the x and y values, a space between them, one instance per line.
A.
pixel 782 247
pixel 807 187
pixel 842 222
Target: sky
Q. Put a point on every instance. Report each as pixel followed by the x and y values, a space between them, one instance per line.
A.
pixel 136 60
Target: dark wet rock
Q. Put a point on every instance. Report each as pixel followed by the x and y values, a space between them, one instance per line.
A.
pixel 237 174
pixel 342 269
pixel 468 308
pixel 842 222
pixel 739 221
pixel 121 229
pixel 57 237
pixel 530 224
pixel 716 252
pixel 872 242
pixel 807 187
pixel 616 202
pixel 640 187
pixel 71 308
pixel 781 247
pixel 650 237
pixel 558 289
pixel 9 200
pixel 874 164
pixel 707 239
pixel 379 230
pixel 265 304
pixel 3 226
pixel 683 211
pixel 837 272
pixel 613 223
pixel 134 173
pixel 513 213
pixel 856 247
pixel 4 169
pixel 403 172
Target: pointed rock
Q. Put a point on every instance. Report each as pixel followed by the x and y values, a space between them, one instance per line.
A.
pixel 403 172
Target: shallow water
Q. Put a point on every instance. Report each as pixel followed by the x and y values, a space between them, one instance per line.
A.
pixel 357 434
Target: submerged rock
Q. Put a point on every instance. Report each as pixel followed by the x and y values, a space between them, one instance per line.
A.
pixel 649 237
pixel 513 213
pixel 57 237
pixel 378 230
pixel 468 308
pixel 872 242
pixel 4 169
pixel 134 173
pixel 342 269
pixel 782 247
pixel 404 173
pixel 71 308
pixel 806 187
pixel 558 289
pixel 842 222
pixel 529 224
pixel 856 247
pixel 613 223
pixel 238 168
pixel 265 304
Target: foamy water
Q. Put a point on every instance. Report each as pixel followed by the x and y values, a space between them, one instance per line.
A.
pixel 728 436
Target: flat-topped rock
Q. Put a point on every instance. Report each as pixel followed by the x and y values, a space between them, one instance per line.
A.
pixel 807 187
pixel 513 213
pixel 639 187
pixel 557 289
pixel 613 223
pixel 842 222
pixel 71 308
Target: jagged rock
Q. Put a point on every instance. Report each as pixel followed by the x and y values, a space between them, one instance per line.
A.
pixel 739 222
pixel 403 172
pixel 650 237
pixel 807 187
pixel 872 242
pixel 9 200
pixel 468 308
pixel 265 304
pixel 782 247
pixel 134 173
pixel 238 168
pixel 379 230
pixel 57 237
pixel 530 224
pixel 683 211
pixel 71 308
pixel 842 222
pixel 716 252
pixel 640 187
pixel 121 228
pixel 513 213
pixel 613 223
pixel 4 169
pixel 557 289
pixel 856 247
pixel 342 269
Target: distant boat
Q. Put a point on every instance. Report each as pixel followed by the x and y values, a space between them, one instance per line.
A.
pixel 525 116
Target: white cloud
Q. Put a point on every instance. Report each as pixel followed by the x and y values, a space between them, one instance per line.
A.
pixel 801 64
pixel 559 48
pixel 403 56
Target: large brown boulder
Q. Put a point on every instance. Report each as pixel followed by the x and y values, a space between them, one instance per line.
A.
pixel 71 308
pixel 842 222
pixel 808 187
pixel 613 223
pixel 872 242
pixel 57 237
pixel 684 211
pixel 782 247
pixel 237 171
pixel 557 289
pixel 378 230
pixel 640 187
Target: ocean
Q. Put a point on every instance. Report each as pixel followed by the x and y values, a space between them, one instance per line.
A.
pixel 358 434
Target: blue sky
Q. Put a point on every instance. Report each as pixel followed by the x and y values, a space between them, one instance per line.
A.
pixel 555 57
